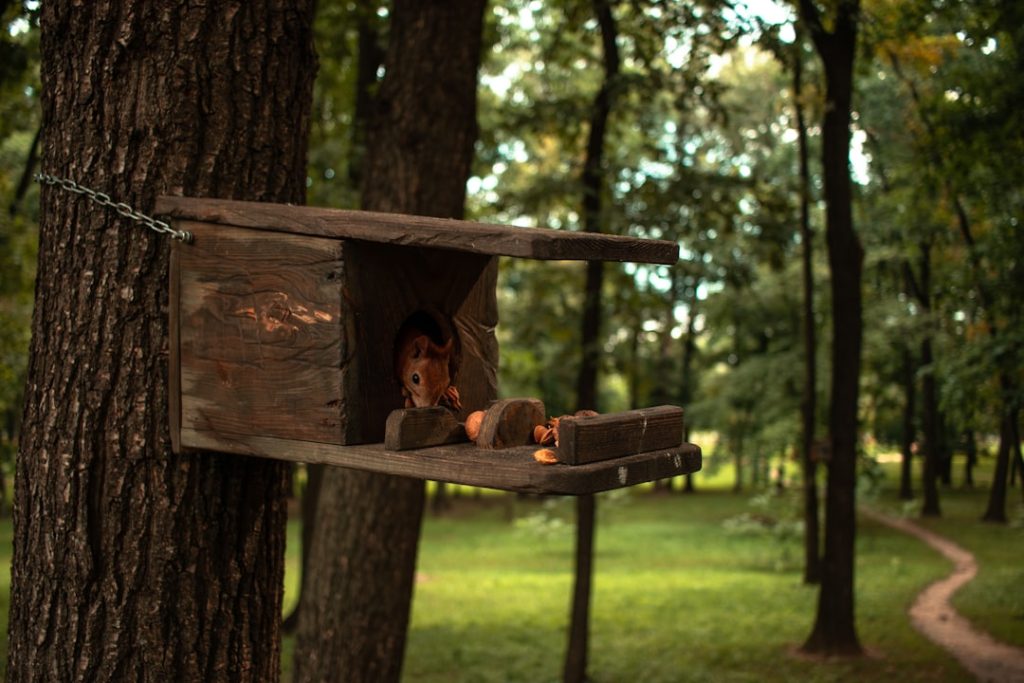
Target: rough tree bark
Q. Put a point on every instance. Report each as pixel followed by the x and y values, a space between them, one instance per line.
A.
pixel 809 404
pixel 132 563
pixel 834 629
pixel 575 668
pixel 355 612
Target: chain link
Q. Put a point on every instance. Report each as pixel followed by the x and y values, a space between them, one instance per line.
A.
pixel 121 208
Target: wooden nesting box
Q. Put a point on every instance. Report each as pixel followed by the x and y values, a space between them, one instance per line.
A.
pixel 283 322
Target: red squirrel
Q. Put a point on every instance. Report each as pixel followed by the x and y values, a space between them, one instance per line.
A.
pixel 422 367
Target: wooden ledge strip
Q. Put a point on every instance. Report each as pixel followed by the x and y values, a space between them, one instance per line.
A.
pixel 602 437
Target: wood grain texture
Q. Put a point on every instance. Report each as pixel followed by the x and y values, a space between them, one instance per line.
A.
pixel 261 334
pixel 601 437
pixel 510 422
pixel 291 336
pixel 421 231
pixel 420 428
pixel 510 469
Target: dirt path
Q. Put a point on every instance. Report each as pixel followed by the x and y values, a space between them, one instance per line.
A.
pixel 985 657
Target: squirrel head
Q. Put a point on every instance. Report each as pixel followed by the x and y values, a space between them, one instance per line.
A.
pixel 424 372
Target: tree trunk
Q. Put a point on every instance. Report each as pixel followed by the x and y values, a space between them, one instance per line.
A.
pixel 310 500
pixel 355 612
pixel 368 61
pixel 575 670
pixel 593 169
pixel 996 510
pixel 834 630
pixel 576 654
pixel 809 405
pixel 27 172
pixel 971 448
pixel 929 394
pixel 130 562
pixel 686 386
pixel 737 458
pixel 908 435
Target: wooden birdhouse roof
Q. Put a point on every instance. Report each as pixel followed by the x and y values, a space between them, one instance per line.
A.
pixel 421 231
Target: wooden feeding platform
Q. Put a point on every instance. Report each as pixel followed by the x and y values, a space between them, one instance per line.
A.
pixel 283 325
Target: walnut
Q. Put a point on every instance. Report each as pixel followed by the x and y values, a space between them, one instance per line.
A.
pixel 545 456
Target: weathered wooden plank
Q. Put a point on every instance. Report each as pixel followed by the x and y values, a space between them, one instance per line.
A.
pixel 420 428
pixel 510 469
pixel 260 334
pixel 421 231
pixel 601 437
pixel 510 422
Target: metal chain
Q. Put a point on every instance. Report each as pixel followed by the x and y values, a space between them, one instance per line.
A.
pixel 120 207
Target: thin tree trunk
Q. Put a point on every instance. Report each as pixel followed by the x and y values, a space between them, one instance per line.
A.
pixel 971 460
pixel 355 612
pixel 737 458
pixel 929 394
pixel 131 562
pixel 996 509
pixel 579 624
pixel 834 630
pixel 686 385
pixel 908 436
pixel 576 654
pixel 310 500
pixel 592 181
pixel 27 172
pixel 809 405
pixel 368 61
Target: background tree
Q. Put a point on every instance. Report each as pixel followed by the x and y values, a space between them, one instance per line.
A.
pixel 131 562
pixel 586 385
pixel 356 601
pixel 834 629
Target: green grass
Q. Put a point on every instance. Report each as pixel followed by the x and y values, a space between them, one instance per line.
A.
pixel 686 588
pixel 678 596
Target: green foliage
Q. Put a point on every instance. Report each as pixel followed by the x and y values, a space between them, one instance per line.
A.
pixel 19 121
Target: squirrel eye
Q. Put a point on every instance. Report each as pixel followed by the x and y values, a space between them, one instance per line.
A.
pixel 415 378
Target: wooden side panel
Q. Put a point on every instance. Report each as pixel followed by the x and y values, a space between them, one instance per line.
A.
pixel 391 284
pixel 601 437
pixel 261 334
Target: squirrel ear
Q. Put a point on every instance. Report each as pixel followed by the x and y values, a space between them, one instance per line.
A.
pixel 419 347
pixel 447 349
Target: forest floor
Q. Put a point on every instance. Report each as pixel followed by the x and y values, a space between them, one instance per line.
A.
pixel 932 614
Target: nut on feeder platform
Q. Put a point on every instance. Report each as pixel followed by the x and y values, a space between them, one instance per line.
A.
pixel 283 324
